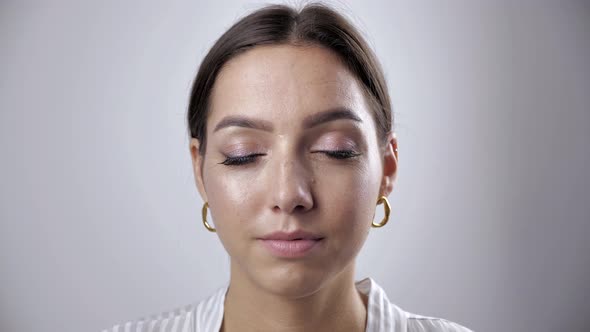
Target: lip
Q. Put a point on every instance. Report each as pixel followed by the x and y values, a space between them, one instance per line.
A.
pixel 295 235
pixel 291 245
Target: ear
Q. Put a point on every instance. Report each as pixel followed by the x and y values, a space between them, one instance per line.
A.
pixel 197 160
pixel 389 165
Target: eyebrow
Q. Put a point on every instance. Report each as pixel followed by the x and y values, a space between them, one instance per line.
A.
pixel 337 113
pixel 333 114
pixel 243 121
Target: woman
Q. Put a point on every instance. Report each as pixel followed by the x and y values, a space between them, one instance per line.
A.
pixel 292 149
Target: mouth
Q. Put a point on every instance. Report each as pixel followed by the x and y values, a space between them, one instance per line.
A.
pixel 296 244
pixel 297 235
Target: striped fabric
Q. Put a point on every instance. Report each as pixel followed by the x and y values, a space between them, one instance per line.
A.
pixel 207 315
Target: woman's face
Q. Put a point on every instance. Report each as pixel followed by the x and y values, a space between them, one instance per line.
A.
pixel 291 145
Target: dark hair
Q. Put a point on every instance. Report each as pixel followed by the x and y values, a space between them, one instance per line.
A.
pixel 314 24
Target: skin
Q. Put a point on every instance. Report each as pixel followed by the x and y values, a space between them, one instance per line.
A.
pixel 293 181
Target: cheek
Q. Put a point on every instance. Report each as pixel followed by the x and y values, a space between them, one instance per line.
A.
pixel 349 200
pixel 226 191
pixel 352 189
pixel 231 206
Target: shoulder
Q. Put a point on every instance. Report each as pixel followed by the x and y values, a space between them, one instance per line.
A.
pixel 205 315
pixel 209 312
pixel 180 319
pixel 384 315
pixel 419 323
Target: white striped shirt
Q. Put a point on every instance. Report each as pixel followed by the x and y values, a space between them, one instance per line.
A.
pixel 207 316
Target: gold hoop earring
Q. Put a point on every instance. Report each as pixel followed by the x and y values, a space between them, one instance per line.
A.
pixel 204 213
pixel 387 211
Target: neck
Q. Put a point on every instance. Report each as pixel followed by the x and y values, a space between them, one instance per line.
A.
pixel 337 306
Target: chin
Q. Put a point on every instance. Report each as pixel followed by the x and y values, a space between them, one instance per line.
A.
pixel 290 280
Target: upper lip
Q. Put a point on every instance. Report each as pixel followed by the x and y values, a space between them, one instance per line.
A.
pixel 296 235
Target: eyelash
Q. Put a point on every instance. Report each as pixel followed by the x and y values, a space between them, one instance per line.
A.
pixel 241 160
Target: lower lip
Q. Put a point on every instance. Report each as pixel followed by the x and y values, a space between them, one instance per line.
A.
pixel 290 249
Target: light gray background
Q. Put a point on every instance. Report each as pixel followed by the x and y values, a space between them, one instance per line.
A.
pixel 100 218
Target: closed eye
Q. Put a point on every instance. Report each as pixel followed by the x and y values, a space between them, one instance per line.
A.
pixel 240 160
pixel 339 154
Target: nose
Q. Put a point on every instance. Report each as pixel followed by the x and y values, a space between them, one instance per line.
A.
pixel 291 187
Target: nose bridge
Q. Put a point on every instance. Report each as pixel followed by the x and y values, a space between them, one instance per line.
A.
pixel 292 184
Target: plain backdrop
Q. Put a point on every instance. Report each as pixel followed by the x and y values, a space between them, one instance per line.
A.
pixel 100 217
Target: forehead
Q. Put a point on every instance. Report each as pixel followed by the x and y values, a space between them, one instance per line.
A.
pixel 282 83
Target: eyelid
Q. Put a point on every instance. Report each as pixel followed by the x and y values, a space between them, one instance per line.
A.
pixel 337 142
pixel 240 150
